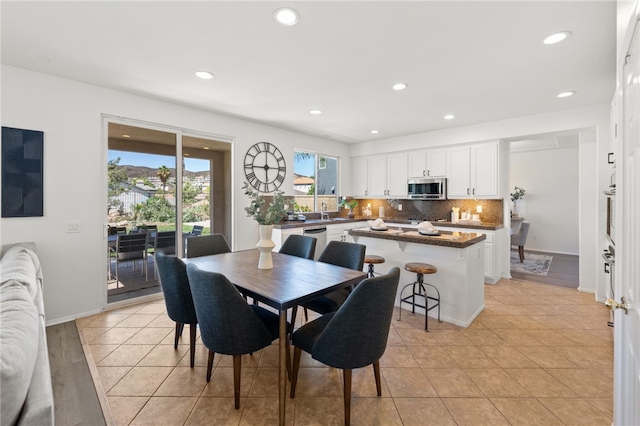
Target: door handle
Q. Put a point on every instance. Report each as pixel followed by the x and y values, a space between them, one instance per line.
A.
pixel 613 305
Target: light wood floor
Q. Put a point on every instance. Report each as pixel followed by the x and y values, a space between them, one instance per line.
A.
pixel 564 271
pixel 75 398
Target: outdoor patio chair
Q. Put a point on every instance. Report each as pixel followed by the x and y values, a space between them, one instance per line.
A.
pixel 132 247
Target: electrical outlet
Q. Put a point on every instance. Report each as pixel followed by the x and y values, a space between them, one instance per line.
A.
pixel 73 226
pixel 400 207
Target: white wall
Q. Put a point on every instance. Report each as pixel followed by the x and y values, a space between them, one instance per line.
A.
pixel 550 204
pixel 70 115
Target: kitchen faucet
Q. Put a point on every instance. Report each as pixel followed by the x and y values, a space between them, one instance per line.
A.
pixel 323 213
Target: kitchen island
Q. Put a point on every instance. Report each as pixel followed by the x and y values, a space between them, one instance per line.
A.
pixel 458 256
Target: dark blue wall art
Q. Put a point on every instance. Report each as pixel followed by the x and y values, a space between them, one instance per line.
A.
pixel 22 182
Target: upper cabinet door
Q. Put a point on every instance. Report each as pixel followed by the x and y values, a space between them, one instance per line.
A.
pixel 436 163
pixel 377 176
pixel 417 166
pixel 397 176
pixel 458 173
pixel 484 171
pixel 359 176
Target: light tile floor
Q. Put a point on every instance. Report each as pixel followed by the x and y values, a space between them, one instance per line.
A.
pixel 537 355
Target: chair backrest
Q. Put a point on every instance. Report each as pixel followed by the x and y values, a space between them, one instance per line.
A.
pixel 347 255
pixel 299 245
pixel 197 230
pixel 113 230
pixel 357 333
pixel 152 227
pixel 520 239
pixel 175 286
pixel 205 245
pixel 165 241
pixel 227 324
pixel 132 246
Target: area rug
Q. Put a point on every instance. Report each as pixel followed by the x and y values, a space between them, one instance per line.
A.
pixel 535 264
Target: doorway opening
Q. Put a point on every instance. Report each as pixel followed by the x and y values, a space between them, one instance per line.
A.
pixel 163 184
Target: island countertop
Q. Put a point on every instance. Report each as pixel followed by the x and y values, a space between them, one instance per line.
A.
pixel 489 226
pixel 445 239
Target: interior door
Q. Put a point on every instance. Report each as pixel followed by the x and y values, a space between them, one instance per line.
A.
pixel 627 320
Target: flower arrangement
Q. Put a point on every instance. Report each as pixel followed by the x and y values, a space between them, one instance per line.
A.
pixel 517 194
pixel 274 213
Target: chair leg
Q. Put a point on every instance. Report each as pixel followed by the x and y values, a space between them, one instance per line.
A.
pixel 177 336
pixel 521 253
pixel 192 342
pixel 347 396
pixel 210 365
pixel 237 366
pixel 376 373
pixel 306 315
pixel 288 357
pixel 294 314
pixel 296 366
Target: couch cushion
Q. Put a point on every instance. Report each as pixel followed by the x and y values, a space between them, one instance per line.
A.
pixel 19 339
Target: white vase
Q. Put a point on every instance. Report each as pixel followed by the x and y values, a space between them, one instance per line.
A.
pixel 265 245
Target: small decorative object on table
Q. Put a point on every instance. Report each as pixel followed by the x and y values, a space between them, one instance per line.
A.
pixel 515 196
pixel 350 204
pixel 266 217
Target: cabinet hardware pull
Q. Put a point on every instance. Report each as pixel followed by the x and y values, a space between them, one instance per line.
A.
pixel 474 191
pixel 428 172
pixel 609 155
pixel 467 191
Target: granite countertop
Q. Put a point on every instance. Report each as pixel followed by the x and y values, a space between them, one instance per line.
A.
pixel 445 239
pixel 340 220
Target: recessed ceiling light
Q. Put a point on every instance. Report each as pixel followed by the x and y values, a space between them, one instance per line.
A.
pixel 205 75
pixel 315 111
pixel 206 147
pixel 449 117
pixel 400 86
pixel 565 94
pixel 126 136
pixel 286 16
pixel 374 131
pixel 556 37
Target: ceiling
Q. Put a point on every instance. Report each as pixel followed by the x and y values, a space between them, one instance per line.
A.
pixel 481 61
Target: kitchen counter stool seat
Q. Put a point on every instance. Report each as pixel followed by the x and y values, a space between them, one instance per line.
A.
pixel 373 259
pixel 418 289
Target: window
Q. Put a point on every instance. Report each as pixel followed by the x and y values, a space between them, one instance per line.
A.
pixel 315 182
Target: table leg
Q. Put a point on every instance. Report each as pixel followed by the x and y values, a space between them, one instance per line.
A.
pixel 282 379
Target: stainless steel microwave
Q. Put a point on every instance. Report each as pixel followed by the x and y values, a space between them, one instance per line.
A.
pixel 427 188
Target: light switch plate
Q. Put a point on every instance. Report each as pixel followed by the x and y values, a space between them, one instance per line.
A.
pixel 73 226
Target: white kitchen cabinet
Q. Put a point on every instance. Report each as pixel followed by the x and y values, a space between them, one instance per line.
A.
pixel 280 235
pixel 340 232
pixel 431 163
pixel 472 171
pixel 359 176
pixel 387 176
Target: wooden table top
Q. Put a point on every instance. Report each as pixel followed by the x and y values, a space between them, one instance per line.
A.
pixel 291 282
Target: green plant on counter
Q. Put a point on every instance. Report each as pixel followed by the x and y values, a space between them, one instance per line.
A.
pixel 350 204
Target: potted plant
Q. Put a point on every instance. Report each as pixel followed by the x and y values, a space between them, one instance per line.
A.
pixel 517 194
pixel 350 204
pixel 266 217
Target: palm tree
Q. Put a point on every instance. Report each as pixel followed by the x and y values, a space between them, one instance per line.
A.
pixel 164 173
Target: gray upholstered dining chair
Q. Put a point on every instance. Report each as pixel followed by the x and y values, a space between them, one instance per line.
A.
pixel 347 255
pixel 177 297
pixel 228 325
pixel 520 239
pixel 352 337
pixel 301 246
pixel 205 245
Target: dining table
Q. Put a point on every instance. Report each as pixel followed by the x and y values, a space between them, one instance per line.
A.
pixel 291 282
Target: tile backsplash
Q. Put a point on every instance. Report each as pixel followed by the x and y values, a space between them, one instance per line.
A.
pixel 430 210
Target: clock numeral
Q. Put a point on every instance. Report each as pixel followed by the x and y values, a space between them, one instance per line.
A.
pixel 280 158
pixel 280 178
pixel 265 185
pixel 282 169
pixel 266 146
pixel 248 165
pixel 251 177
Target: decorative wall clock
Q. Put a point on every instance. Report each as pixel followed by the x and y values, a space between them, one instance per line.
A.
pixel 264 167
